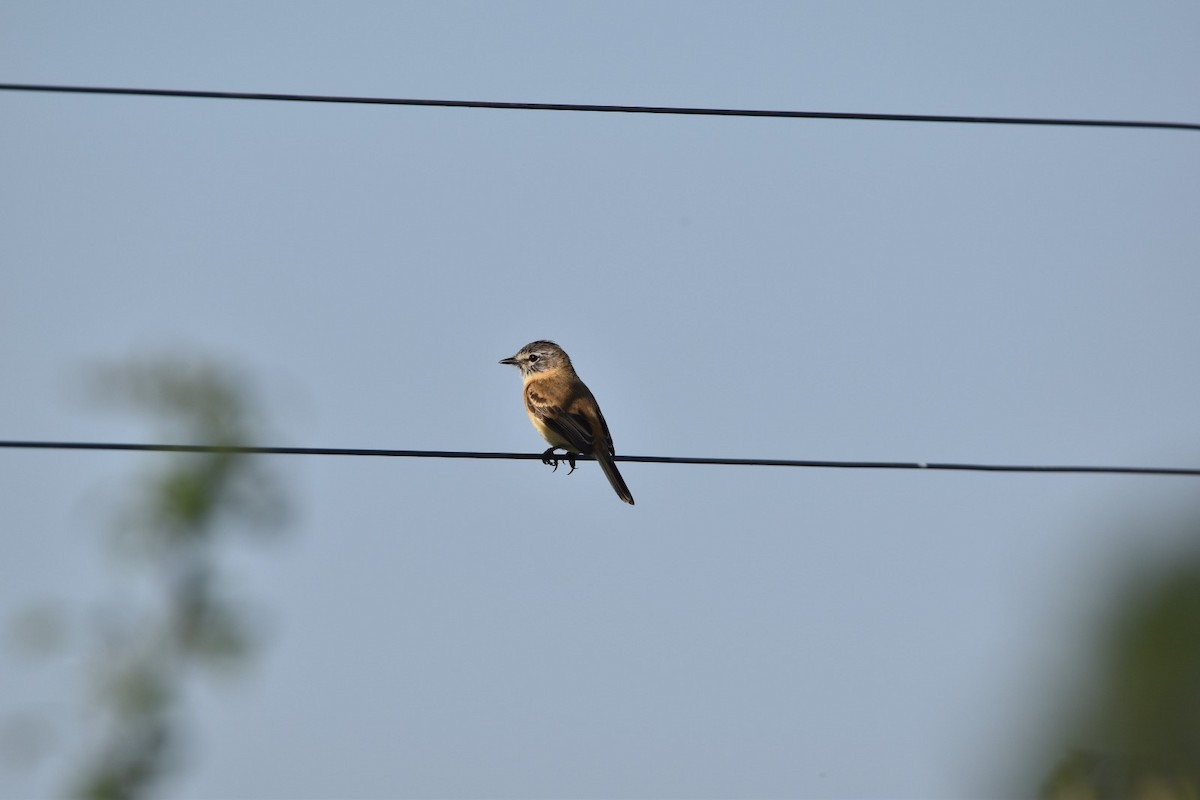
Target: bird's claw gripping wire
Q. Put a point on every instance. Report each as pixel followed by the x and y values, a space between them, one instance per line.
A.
pixel 549 459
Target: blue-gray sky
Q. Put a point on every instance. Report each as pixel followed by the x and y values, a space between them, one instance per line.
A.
pixel 728 287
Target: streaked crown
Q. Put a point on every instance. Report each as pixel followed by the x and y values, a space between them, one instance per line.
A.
pixel 539 356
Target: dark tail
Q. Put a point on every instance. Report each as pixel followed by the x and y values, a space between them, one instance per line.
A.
pixel 610 471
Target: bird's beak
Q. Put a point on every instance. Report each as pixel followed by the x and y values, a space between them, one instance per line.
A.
pixel 510 360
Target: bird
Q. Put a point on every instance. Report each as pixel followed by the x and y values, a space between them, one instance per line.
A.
pixel 564 411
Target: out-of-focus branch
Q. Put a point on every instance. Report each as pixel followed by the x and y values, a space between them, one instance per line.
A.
pixel 173 523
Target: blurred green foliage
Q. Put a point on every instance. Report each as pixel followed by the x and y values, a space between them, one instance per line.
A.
pixel 179 512
pixel 1144 734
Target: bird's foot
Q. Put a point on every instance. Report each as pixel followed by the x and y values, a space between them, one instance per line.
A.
pixel 550 459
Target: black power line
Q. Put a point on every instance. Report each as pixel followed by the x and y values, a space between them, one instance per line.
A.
pixel 612 109
pixel 758 462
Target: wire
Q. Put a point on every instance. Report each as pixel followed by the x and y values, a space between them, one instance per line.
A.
pixel 759 462
pixel 708 112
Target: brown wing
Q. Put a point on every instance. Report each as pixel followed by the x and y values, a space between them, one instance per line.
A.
pixel 604 427
pixel 586 411
pixel 589 409
pixel 571 427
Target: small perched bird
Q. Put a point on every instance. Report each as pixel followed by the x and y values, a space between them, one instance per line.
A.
pixel 564 411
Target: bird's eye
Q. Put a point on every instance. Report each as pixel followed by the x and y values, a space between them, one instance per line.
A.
pixel 533 357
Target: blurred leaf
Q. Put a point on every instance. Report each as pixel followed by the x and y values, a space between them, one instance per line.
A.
pixel 178 512
pixel 222 636
pixel 1148 719
pixel 140 688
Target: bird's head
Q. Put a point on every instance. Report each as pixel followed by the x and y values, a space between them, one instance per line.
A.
pixel 539 356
